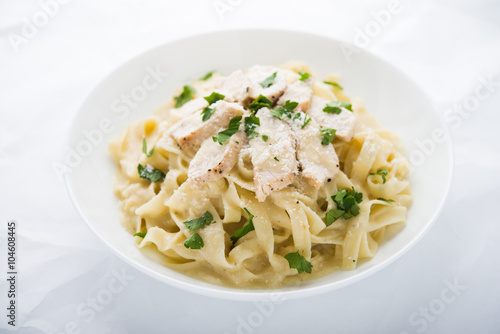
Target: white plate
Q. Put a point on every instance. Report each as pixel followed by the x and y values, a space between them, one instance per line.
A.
pixel 389 95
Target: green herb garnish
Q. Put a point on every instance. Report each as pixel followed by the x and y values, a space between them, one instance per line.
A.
pixel 386 200
pixel 207 112
pixel 194 241
pixel 186 96
pixel 328 135
pixel 207 76
pixel 303 75
pixel 214 97
pixel 268 81
pixel 347 205
pixel 234 125
pixel 150 173
pixel 251 123
pixel 260 102
pixel 197 223
pixel 285 110
pixel 276 159
pixel 383 172
pixel 334 84
pixel 265 138
pixel 145 148
pixel 245 229
pixel 335 107
pixel 297 261
pixel 141 234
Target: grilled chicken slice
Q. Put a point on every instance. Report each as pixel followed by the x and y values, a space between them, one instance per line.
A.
pixel 193 107
pixel 258 74
pixel 344 123
pixel 300 92
pixel 274 162
pixel 213 161
pixel 236 87
pixel 192 131
pixel 318 162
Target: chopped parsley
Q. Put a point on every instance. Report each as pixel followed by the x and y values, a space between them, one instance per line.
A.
pixel 197 223
pixel 268 81
pixel 207 76
pixel 207 112
pixel 335 107
pixel 145 148
pixel 307 119
pixel 285 110
pixel 265 138
pixel 260 102
pixel 214 97
pixel 298 116
pixel 251 122
pixel 245 229
pixel 386 200
pixel 347 205
pixel 141 234
pixel 276 159
pixel 186 96
pixel 334 84
pixel 234 125
pixel 194 241
pixel 383 172
pixel 150 173
pixel 328 135
pixel 297 261
pixel 303 75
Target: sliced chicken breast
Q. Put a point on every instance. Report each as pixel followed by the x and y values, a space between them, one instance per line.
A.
pixel 344 123
pixel 236 87
pixel 300 92
pixel 193 107
pixel 274 161
pixel 213 161
pixel 318 162
pixel 192 131
pixel 258 73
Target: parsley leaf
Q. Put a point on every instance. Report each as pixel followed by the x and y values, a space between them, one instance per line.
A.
pixel 245 229
pixel 260 102
pixel 197 223
pixel 150 173
pixel 328 135
pixel 234 125
pixel 186 95
pixel 194 241
pixel 268 81
pixel 207 112
pixel 382 172
pixel 303 75
pixel 276 159
pixel 333 215
pixel 335 107
pixel 285 110
pixel 265 138
pixel 334 84
pixel 297 261
pixel 251 122
pixel 207 76
pixel 141 234
pixel 145 148
pixel 214 97
pixel 386 200
pixel 347 205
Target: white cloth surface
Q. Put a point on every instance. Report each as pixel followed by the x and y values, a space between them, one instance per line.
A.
pixel 445 46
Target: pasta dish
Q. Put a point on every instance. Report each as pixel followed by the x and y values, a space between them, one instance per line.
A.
pixel 261 178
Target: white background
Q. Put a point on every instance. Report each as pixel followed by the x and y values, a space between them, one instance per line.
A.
pixel 447 47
